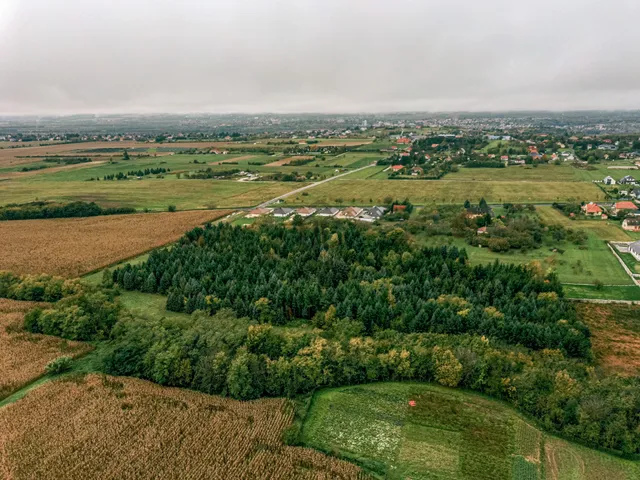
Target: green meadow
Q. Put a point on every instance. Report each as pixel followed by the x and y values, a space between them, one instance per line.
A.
pixel 445 434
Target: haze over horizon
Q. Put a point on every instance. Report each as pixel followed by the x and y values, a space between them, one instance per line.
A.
pixel 143 56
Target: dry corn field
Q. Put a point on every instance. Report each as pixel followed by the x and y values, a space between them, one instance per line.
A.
pixel 73 246
pixel 23 355
pixel 100 427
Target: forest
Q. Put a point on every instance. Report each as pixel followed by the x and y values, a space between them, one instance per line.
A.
pixel 242 358
pixel 279 275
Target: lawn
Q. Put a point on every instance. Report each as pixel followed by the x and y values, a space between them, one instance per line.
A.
pixel 447 434
pixel 604 229
pixel 420 192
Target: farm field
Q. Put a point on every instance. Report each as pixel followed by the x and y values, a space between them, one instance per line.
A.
pixel 420 192
pixel 447 434
pixel 24 355
pixel 615 337
pixel 123 428
pixel 152 194
pixel 73 246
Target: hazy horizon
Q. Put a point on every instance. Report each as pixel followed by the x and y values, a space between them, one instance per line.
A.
pixel 330 57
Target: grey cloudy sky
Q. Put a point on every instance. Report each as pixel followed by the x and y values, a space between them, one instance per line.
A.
pixel 75 56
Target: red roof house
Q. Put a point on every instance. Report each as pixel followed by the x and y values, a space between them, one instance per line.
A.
pixel 622 206
pixel 592 209
pixel 397 168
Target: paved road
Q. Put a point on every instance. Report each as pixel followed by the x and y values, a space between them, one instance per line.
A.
pixel 294 192
pixel 624 265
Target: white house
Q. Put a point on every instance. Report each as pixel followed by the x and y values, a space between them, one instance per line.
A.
pixel 634 249
pixel 609 180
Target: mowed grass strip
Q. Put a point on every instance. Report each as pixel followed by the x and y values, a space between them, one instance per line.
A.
pixel 446 434
pixel 421 192
pixel 73 246
pixel 23 355
pixel 123 428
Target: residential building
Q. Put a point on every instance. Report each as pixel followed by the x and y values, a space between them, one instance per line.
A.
pixel 372 214
pixel 282 212
pixel 609 180
pixel 349 213
pixel 396 168
pixel 634 249
pixel 623 207
pixel 327 212
pixel 627 180
pixel 258 212
pixel 635 193
pixel 631 224
pixel 305 211
pixel 592 210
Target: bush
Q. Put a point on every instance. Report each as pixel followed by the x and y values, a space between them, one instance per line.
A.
pixel 171 208
pixel 59 365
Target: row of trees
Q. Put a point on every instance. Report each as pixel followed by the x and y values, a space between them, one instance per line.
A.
pixel 36 210
pixel 277 274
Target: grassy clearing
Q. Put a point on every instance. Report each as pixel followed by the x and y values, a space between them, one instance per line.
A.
pixel 575 265
pixel 448 434
pixel 615 336
pixel 423 192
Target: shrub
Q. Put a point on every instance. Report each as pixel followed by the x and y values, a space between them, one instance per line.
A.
pixel 59 365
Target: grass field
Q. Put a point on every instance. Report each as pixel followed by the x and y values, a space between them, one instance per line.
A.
pixel 575 265
pixel 73 246
pixel 152 194
pixel 627 292
pixel 24 355
pixel 420 192
pixel 448 434
pixel 615 337
pixel 123 428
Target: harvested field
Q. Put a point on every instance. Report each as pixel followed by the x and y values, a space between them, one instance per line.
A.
pixel 73 246
pixel 24 355
pixel 288 160
pixel 615 336
pixel 123 428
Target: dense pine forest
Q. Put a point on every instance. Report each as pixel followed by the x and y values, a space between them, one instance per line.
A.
pixel 276 275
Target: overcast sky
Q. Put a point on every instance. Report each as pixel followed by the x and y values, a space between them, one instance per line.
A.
pixel 109 56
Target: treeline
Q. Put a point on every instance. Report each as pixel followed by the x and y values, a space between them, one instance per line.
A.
pixel 236 357
pixel 211 173
pixel 276 275
pixel 484 164
pixel 137 173
pixel 39 210
pixel 67 160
